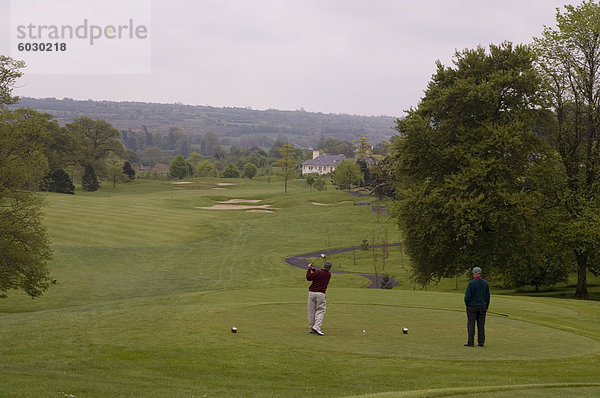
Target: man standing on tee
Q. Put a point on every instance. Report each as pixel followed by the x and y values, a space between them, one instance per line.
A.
pixel 316 296
pixel 477 300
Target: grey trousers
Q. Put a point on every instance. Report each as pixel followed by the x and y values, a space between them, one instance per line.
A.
pixel 316 309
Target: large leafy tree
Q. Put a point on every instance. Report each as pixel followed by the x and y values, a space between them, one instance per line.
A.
pixel 193 160
pixel 205 168
pixel 178 168
pixel 569 59
pixel 377 168
pixel 334 146
pixel 95 141
pixel 250 170
pixel 10 72
pixel 178 140
pixel 114 169
pixel 153 155
pixel 462 163
pixel 24 244
pixel 209 144
pixel 61 148
pixel 347 174
pixel 231 171
pixel 287 164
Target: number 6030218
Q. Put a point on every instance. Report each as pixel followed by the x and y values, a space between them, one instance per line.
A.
pixel 42 46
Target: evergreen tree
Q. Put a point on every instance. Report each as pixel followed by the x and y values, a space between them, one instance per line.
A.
pixel 58 181
pixel 89 181
pixel 128 171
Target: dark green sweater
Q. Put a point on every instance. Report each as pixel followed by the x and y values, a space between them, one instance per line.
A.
pixel 477 293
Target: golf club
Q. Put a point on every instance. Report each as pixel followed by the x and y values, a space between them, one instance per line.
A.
pixel 497 313
pixel 322 256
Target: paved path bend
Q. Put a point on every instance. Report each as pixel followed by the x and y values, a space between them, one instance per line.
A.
pixel 301 261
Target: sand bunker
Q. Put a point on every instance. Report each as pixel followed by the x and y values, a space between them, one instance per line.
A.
pixel 239 201
pixel 183 182
pixel 222 189
pixel 239 204
pixel 225 183
pixel 234 207
pixel 330 204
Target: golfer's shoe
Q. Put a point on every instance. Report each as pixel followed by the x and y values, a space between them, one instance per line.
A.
pixel 320 333
pixel 311 330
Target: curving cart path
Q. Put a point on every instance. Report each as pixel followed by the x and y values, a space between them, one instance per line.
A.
pixel 301 261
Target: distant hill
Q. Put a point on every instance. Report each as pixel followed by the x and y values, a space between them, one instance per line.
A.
pixel 298 127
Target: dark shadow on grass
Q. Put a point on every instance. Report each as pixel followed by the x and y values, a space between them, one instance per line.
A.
pixel 563 292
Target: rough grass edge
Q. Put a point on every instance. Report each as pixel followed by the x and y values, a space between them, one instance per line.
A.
pixel 445 392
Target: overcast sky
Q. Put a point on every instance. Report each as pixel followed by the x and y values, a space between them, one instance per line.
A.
pixel 364 57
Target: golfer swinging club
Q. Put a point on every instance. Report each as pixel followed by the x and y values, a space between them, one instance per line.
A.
pixel 316 296
pixel 477 300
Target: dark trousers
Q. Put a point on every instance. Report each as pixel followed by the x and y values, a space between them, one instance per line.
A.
pixel 476 315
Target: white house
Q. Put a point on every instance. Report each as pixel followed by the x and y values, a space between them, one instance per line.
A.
pixel 321 164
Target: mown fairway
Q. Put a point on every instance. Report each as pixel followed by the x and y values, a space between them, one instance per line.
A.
pixel 148 288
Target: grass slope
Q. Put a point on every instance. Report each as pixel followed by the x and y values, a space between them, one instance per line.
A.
pixel 148 288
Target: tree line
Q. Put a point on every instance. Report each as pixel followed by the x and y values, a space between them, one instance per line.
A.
pixel 233 126
pixel 208 155
pixel 497 166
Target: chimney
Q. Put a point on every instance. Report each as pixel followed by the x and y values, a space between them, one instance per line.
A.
pixel 316 153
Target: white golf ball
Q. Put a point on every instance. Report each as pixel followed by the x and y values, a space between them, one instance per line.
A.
pixel 234 330
pixel 364 331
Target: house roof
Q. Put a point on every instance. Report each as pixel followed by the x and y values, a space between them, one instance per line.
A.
pixel 160 167
pixel 325 160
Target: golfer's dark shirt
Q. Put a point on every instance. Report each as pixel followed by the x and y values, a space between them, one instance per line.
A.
pixel 477 293
pixel 320 280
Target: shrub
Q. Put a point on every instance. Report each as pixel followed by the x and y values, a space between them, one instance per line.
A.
pixel 58 181
pixel 231 171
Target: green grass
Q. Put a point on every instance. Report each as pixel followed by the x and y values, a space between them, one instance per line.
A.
pixel 148 288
